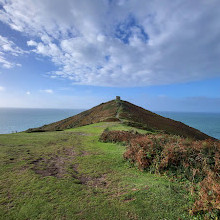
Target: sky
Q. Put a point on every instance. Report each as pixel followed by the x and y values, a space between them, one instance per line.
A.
pixel 161 55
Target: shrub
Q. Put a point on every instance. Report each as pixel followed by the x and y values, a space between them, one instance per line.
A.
pixel 118 136
pixel 196 161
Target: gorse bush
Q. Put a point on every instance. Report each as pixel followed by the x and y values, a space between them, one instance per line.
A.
pixel 184 159
pixel 118 136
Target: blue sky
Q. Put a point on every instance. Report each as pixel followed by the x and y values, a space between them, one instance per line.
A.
pixel 161 55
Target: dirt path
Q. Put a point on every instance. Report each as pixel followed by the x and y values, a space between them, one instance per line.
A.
pixel 118 112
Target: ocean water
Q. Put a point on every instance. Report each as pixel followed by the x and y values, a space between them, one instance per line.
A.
pixel 18 119
pixel 208 123
pixel 15 120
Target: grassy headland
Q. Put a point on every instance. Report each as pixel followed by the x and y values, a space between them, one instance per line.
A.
pixel 128 114
pixel 72 175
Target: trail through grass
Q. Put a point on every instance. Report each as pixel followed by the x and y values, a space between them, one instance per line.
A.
pixel 71 175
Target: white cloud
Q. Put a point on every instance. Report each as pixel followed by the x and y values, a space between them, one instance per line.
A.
pixel 2 88
pixel 28 93
pixel 6 64
pixel 121 43
pixel 31 43
pixel 8 47
pixel 49 91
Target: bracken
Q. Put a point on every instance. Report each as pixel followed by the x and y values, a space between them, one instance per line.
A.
pixel 196 161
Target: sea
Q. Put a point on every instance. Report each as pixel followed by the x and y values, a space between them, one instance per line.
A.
pixel 14 120
pixel 17 119
pixel 208 123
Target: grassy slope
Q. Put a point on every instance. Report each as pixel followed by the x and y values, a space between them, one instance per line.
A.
pixel 113 189
pixel 103 112
pixel 128 113
pixel 142 118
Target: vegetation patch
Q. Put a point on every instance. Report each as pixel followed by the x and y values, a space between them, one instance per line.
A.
pixel 119 136
pixel 186 160
pixel 83 178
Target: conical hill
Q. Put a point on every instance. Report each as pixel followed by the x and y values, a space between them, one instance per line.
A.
pixel 128 113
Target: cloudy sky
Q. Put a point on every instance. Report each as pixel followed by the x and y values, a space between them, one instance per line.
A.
pixel 162 55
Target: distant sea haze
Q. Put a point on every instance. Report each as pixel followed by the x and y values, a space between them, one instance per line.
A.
pixel 16 120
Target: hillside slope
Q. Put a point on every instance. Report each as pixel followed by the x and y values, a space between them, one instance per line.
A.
pixel 139 117
pixel 72 175
pixel 103 112
pixel 128 113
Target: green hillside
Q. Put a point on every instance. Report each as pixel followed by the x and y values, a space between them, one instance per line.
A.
pixel 72 175
pixel 127 113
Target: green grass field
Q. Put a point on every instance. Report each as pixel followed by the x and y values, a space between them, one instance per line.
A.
pixel 71 175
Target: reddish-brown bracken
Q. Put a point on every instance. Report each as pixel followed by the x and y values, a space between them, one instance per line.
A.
pixel 196 161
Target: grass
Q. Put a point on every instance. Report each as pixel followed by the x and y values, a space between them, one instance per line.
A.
pixel 91 179
pixel 127 113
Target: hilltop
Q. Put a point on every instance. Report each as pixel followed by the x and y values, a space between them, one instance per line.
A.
pixel 126 113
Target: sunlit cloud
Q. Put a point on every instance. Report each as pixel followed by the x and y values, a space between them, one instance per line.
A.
pixel 8 47
pixel 119 43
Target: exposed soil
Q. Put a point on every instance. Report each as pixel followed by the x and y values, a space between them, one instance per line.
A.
pixel 81 133
pixel 87 179
pixel 55 165
pixel 98 181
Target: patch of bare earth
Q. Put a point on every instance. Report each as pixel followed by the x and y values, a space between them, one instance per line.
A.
pixel 53 165
pixel 100 181
pixel 87 179
pixel 56 165
pixel 81 133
